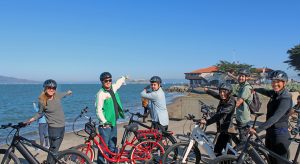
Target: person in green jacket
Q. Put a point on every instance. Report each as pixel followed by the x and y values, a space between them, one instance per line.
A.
pixel 108 110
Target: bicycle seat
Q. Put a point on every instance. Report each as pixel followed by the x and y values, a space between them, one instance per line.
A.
pixel 258 114
pixel 297 111
pixel 131 127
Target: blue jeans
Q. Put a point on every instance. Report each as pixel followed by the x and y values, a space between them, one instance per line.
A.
pixel 43 133
pixel 56 136
pixel 109 136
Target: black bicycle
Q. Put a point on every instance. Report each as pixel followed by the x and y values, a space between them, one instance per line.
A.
pixel 18 143
pixel 251 152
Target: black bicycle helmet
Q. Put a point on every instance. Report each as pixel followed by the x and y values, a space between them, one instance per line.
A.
pixel 105 75
pixel 225 86
pixel 278 75
pixel 50 83
pixel 244 71
pixel 155 79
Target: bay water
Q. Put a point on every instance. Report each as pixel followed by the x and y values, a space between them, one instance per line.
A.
pixel 16 104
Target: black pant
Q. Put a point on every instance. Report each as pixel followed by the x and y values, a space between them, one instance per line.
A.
pixel 243 128
pixel 157 125
pixel 56 136
pixel 221 143
pixel 146 113
pixel 278 144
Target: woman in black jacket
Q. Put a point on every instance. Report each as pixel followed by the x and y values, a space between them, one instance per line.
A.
pixel 223 117
pixel 278 108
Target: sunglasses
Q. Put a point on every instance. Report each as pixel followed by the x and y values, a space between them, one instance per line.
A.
pixel 106 81
pixel 54 88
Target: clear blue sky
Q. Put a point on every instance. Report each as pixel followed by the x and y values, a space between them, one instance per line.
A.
pixel 70 40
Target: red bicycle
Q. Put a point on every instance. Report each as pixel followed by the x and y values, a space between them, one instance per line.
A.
pixel 143 148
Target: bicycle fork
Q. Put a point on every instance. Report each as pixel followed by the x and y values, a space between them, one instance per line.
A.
pixel 188 150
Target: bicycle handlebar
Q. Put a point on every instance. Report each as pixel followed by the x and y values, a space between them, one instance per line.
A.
pixel 192 117
pixel 16 126
pixel 138 114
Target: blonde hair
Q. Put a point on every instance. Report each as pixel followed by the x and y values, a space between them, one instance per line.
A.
pixel 43 98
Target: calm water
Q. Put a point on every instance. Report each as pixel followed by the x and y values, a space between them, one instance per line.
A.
pixel 16 103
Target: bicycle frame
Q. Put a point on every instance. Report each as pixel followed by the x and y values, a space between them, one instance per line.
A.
pixel 131 121
pixel 122 155
pixel 19 143
pixel 253 145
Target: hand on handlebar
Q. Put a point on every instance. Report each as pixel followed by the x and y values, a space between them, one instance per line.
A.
pixel 252 131
pixel 203 121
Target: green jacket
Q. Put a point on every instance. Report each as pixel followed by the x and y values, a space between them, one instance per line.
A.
pixel 105 107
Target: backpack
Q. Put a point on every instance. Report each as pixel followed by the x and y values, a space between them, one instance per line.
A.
pixel 255 104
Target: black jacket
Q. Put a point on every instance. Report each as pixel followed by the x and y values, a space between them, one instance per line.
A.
pixel 278 109
pixel 224 114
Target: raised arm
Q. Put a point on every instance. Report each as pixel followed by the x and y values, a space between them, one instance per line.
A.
pixel 263 91
pixel 119 83
pixel 213 94
pixel 149 96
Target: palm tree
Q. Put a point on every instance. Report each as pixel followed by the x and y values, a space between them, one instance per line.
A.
pixel 294 58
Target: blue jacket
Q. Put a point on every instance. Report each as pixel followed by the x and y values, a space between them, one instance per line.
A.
pixel 42 119
pixel 158 106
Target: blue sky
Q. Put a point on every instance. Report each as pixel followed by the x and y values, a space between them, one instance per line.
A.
pixel 75 41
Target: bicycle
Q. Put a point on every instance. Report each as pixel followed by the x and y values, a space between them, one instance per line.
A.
pixel 143 146
pixel 167 140
pixel 18 142
pixel 251 150
pixel 188 152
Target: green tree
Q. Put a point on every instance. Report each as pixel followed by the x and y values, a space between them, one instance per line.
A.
pixel 226 66
pixel 294 58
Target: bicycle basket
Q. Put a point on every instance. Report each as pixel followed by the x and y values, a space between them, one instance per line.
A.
pixel 90 129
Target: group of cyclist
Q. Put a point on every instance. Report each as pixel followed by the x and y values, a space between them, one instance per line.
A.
pixel 278 111
pixel 109 109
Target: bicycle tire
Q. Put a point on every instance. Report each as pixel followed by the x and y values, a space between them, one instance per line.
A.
pixel 90 152
pixel 72 156
pixel 175 153
pixel 224 159
pixel 148 151
pixel 11 157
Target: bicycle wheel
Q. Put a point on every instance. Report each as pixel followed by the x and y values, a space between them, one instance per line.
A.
pixel 72 156
pixel 12 158
pixel 175 153
pixel 224 159
pixel 148 151
pixel 88 151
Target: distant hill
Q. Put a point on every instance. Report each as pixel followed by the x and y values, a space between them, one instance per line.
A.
pixel 12 80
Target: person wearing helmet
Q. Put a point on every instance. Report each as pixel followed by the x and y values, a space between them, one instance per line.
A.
pixel 244 95
pixel 50 106
pixel 108 110
pixel 297 107
pixel 223 116
pixel 159 113
pixel 278 108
